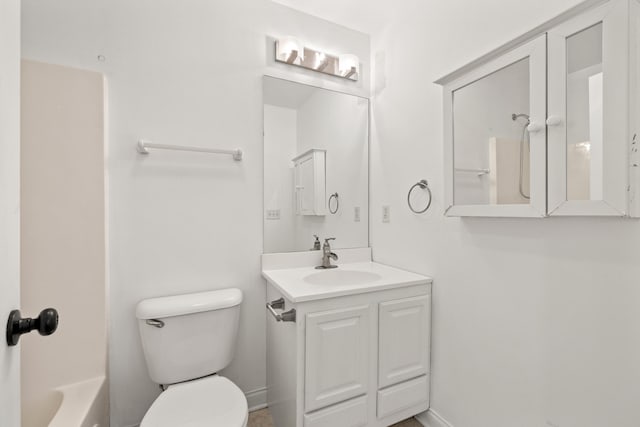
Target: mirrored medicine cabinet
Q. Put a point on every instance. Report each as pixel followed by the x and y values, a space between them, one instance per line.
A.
pixel 545 125
pixel 316 167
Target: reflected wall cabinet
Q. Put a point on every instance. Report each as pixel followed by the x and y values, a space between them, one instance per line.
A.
pixel 310 182
pixel 546 124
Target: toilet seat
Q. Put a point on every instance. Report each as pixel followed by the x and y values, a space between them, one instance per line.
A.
pixel 207 402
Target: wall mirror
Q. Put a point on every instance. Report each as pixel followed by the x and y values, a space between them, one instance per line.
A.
pixel 316 167
pixel 494 128
pixel 491 141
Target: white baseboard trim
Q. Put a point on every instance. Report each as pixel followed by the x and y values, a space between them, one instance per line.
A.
pixel 257 399
pixel 431 418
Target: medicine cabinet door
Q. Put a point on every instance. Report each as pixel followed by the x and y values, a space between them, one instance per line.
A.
pixel 588 102
pixel 310 183
pixel 495 161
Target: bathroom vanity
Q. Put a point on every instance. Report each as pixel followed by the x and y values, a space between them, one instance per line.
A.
pixel 347 346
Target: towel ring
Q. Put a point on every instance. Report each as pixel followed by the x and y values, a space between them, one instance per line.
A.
pixel 425 186
pixel 334 195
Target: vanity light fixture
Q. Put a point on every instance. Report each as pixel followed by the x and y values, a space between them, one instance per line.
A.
pixel 290 51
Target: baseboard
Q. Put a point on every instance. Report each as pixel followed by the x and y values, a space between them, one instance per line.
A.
pixel 431 418
pixel 257 399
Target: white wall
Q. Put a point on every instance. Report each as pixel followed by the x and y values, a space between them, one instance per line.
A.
pixel 280 137
pixel 535 322
pixel 62 231
pixel 182 222
pixel 9 202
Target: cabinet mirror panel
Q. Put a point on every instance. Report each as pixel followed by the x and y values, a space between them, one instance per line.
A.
pixel 491 142
pixel 585 115
pixel 316 167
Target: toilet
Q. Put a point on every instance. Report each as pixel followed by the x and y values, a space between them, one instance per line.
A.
pixel 186 340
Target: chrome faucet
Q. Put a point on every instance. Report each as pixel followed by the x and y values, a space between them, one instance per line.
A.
pixel 327 255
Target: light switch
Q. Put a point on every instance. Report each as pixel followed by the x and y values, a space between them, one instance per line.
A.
pixel 356 214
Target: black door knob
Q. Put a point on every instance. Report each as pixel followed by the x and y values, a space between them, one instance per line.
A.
pixel 46 324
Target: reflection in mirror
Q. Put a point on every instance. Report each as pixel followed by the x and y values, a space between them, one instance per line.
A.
pixel 316 144
pixel 490 138
pixel 584 115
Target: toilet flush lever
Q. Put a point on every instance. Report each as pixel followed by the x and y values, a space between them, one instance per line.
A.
pixel 155 322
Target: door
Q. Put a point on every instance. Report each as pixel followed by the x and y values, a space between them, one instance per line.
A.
pixel 336 356
pixel 403 340
pixel 9 204
pixel 588 128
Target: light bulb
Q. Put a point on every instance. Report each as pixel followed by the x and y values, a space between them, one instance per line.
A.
pixel 348 65
pixel 289 50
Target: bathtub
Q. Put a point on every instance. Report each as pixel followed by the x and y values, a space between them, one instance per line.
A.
pixel 82 404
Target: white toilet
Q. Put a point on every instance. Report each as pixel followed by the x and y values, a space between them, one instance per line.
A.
pixel 187 339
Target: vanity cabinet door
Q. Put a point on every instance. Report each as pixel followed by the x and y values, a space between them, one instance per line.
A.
pixel 336 356
pixel 404 327
pixel 588 126
pixel 495 136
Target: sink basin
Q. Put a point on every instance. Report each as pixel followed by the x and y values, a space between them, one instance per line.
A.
pixel 341 277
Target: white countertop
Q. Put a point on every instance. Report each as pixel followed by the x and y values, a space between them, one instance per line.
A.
pixel 294 284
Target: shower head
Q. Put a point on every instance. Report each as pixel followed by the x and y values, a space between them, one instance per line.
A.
pixel 515 116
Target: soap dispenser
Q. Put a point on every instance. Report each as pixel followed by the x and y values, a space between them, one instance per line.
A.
pixel 316 244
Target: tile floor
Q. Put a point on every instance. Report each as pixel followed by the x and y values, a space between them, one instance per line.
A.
pixel 262 418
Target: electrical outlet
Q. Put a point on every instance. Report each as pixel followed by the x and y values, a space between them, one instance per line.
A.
pixel 273 214
pixel 386 213
pixel 356 214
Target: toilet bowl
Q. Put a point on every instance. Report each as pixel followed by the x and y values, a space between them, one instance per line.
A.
pixel 187 340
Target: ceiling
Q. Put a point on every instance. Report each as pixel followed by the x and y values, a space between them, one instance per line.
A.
pixel 286 94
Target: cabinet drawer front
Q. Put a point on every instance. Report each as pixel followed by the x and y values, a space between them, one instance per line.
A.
pixel 348 414
pixel 336 356
pixel 403 396
pixel 404 340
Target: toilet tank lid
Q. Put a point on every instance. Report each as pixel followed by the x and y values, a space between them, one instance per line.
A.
pixel 179 305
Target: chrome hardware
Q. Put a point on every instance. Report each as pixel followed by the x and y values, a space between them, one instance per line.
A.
pixel 316 244
pixel 286 316
pixel 155 322
pixel 327 255
pixel 425 186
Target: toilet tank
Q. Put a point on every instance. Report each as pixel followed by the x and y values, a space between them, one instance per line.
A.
pixel 189 336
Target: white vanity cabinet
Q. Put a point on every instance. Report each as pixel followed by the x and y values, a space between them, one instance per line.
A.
pixel 336 356
pixel 350 361
pixel 546 125
pixel 310 182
